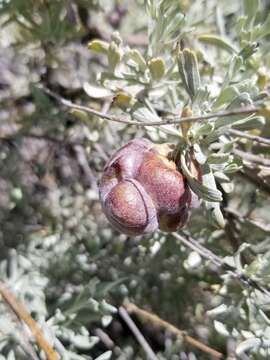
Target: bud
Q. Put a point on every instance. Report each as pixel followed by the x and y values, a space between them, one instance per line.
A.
pixel 114 56
pixel 138 59
pixel 157 68
pixel 98 46
pixel 141 190
pixel 123 100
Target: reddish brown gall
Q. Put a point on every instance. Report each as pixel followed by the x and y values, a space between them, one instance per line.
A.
pixel 141 190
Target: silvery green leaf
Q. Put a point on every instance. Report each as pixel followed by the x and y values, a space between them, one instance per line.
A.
pixel 202 96
pixel 114 56
pixel 138 59
pixel 96 92
pixel 221 328
pixel 105 356
pixel 175 24
pixel 256 122
pixel 239 101
pixel 228 147
pixel 93 305
pixel 260 267
pixel 262 30
pixel 199 155
pixel 107 308
pixel 220 176
pixel 247 345
pixel 84 342
pixel 243 99
pixel 106 320
pixel 99 46
pixel 209 180
pixel 218 158
pixel 233 167
pixel 11 355
pixel 248 50
pixel 116 38
pixel 144 114
pixel 157 68
pixel 227 187
pixel 240 23
pixel 193 261
pixel 215 134
pixel 235 65
pixel 250 9
pixel 217 215
pixel 220 309
pixel 218 41
pixel 203 191
pixel 189 72
pixel 248 86
pixel 226 95
pixel 204 129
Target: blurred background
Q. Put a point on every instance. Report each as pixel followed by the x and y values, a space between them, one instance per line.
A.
pixel 58 253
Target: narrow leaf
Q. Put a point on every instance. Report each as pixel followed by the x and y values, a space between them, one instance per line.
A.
pixel 204 192
pixel 217 41
pixel 247 345
pixel 189 72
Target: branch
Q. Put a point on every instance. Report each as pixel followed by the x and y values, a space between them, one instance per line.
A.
pixel 241 218
pixel 24 336
pixel 23 314
pixel 149 317
pixel 124 120
pixel 251 173
pixel 219 262
pixel 252 158
pixel 136 332
pixel 104 338
pixel 255 138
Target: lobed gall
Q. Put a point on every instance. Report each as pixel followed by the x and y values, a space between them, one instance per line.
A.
pixel 141 190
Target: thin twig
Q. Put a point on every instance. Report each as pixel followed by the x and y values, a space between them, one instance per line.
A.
pixel 241 218
pixel 83 163
pixel 153 318
pixel 24 336
pixel 108 342
pixel 255 138
pixel 104 338
pixel 124 120
pixel 136 332
pixel 23 314
pixel 252 158
pixel 219 262
pixel 251 173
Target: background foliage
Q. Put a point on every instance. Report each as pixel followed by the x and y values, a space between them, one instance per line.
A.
pixel 58 253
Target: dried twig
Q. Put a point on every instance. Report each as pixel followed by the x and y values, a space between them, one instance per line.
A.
pixel 104 338
pixel 174 120
pixel 23 314
pixel 241 218
pixel 254 138
pixel 251 173
pixel 24 336
pixel 136 332
pixel 219 262
pixel 252 158
pixel 153 318
pixel 83 163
